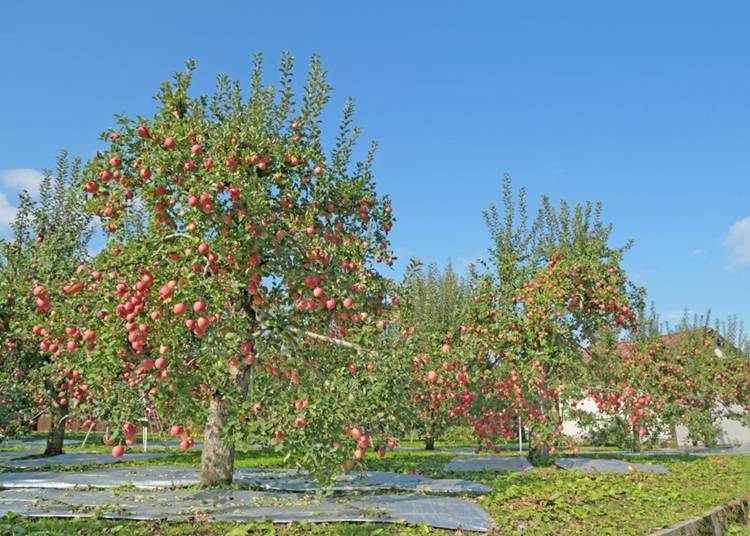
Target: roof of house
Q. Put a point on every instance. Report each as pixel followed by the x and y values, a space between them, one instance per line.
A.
pixel 673 339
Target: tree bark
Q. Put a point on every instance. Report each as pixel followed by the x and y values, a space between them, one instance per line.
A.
pixel 540 453
pixel 56 433
pixel 429 432
pixel 674 443
pixel 217 458
pixel 636 440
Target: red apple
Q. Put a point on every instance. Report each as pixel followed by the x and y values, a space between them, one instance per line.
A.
pixel 128 429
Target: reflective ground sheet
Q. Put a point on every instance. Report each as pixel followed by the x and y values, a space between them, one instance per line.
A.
pixel 498 464
pixel 439 512
pixel 36 443
pixel 8 455
pixel 19 459
pixel 597 465
pixel 155 477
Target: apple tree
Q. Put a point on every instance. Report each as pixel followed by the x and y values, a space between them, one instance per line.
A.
pixel 625 382
pixel 660 378
pixel 550 289
pixel 703 378
pixel 433 308
pixel 48 246
pixel 237 293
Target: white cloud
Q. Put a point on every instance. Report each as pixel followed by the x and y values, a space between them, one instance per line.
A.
pixel 465 261
pixel 12 181
pixel 738 242
pixel 21 179
pixel 698 252
pixel 7 211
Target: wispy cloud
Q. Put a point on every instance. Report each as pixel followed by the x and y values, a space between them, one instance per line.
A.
pixel 738 242
pixel 21 179
pixel 7 211
pixel 698 252
pixel 12 181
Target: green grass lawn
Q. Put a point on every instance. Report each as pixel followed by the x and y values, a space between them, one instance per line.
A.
pixel 545 501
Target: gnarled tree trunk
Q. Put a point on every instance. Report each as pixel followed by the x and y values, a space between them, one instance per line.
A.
pixel 217 458
pixel 539 453
pixel 429 433
pixel 636 439
pixel 673 437
pixel 56 434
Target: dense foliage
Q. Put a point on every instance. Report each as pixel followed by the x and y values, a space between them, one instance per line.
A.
pixel 434 308
pixel 48 245
pixel 653 382
pixel 242 295
pixel 237 286
pixel 551 287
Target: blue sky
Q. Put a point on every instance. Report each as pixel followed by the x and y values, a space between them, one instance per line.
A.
pixel 642 105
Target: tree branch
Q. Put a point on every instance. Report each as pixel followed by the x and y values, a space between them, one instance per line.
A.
pixel 332 340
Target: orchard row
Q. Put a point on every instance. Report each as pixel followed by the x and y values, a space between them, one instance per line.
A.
pixel 242 296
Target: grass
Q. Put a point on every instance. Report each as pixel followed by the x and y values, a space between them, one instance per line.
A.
pixel 545 501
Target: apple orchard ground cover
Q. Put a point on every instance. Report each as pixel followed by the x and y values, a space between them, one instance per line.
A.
pixel 545 501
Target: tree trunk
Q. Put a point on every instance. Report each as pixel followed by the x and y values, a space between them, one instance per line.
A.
pixel 56 434
pixel 429 433
pixel 539 453
pixel 217 459
pixel 636 440
pixel 674 443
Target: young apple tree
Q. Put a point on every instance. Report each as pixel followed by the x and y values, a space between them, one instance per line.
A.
pixel 552 288
pixel 703 379
pixel 433 308
pixel 48 246
pixel 655 380
pixel 624 381
pixel 244 302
